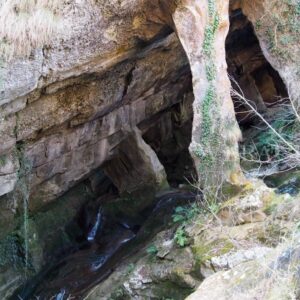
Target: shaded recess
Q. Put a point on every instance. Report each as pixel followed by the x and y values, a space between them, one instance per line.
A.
pixel 170 136
pixel 250 71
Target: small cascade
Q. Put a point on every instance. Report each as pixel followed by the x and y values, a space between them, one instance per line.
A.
pixel 75 274
pixel 92 234
pixel 60 295
pixel 96 265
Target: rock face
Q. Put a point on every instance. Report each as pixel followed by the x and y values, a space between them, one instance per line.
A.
pixel 84 94
pixel 221 259
pixel 78 105
pixel 202 28
pixel 124 83
pixel 78 122
pixel 277 25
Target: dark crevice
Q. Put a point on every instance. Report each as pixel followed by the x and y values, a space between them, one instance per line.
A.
pixel 170 137
pixel 250 71
pixel 263 154
pixel 163 33
pixel 127 81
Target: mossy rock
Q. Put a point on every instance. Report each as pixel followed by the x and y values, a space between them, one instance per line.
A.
pixel 11 251
pixel 170 291
pixel 204 251
pixel 279 179
pixel 272 203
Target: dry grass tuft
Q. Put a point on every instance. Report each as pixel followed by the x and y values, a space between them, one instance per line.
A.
pixel 27 24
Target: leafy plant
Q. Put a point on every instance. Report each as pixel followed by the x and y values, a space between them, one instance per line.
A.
pixel 185 213
pixel 180 236
pixel 267 145
pixel 213 207
pixel 118 294
pixel 152 250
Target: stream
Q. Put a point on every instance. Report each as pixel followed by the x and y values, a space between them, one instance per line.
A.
pixel 109 242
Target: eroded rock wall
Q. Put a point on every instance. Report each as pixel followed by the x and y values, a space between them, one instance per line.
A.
pixel 74 105
pixel 71 131
pixel 277 24
pixel 202 27
pixel 76 100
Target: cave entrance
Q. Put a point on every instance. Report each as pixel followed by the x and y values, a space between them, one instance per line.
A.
pixel 250 72
pixel 170 134
pixel 253 77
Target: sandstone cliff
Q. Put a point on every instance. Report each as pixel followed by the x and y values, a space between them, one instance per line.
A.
pixel 137 90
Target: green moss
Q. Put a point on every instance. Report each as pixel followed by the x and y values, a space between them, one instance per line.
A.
pixel 204 251
pixel 3 160
pixel 209 35
pixel 281 26
pixel 169 290
pixel 272 202
pixel 272 234
pixel 11 251
pixel 211 71
pixel 119 294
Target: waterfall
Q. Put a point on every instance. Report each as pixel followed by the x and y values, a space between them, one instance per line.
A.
pixel 92 234
pixel 60 295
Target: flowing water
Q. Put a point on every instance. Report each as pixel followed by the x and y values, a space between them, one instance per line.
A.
pixel 106 247
pixel 92 234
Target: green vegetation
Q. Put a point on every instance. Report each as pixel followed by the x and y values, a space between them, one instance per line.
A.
pixel 3 160
pixel 186 213
pixel 152 250
pixel 266 145
pixel 281 27
pixel 118 294
pixel 209 35
pixel 10 251
pixel 182 215
pixel 212 205
pixel 209 149
pixel 180 236
pixel 211 71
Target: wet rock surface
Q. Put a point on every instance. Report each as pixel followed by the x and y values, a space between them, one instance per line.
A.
pixel 235 256
pixel 118 239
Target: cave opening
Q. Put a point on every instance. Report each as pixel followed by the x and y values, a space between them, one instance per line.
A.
pixel 170 135
pixel 261 85
pixel 250 72
pixel 169 132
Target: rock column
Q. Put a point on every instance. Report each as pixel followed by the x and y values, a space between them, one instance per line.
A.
pixel 202 27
